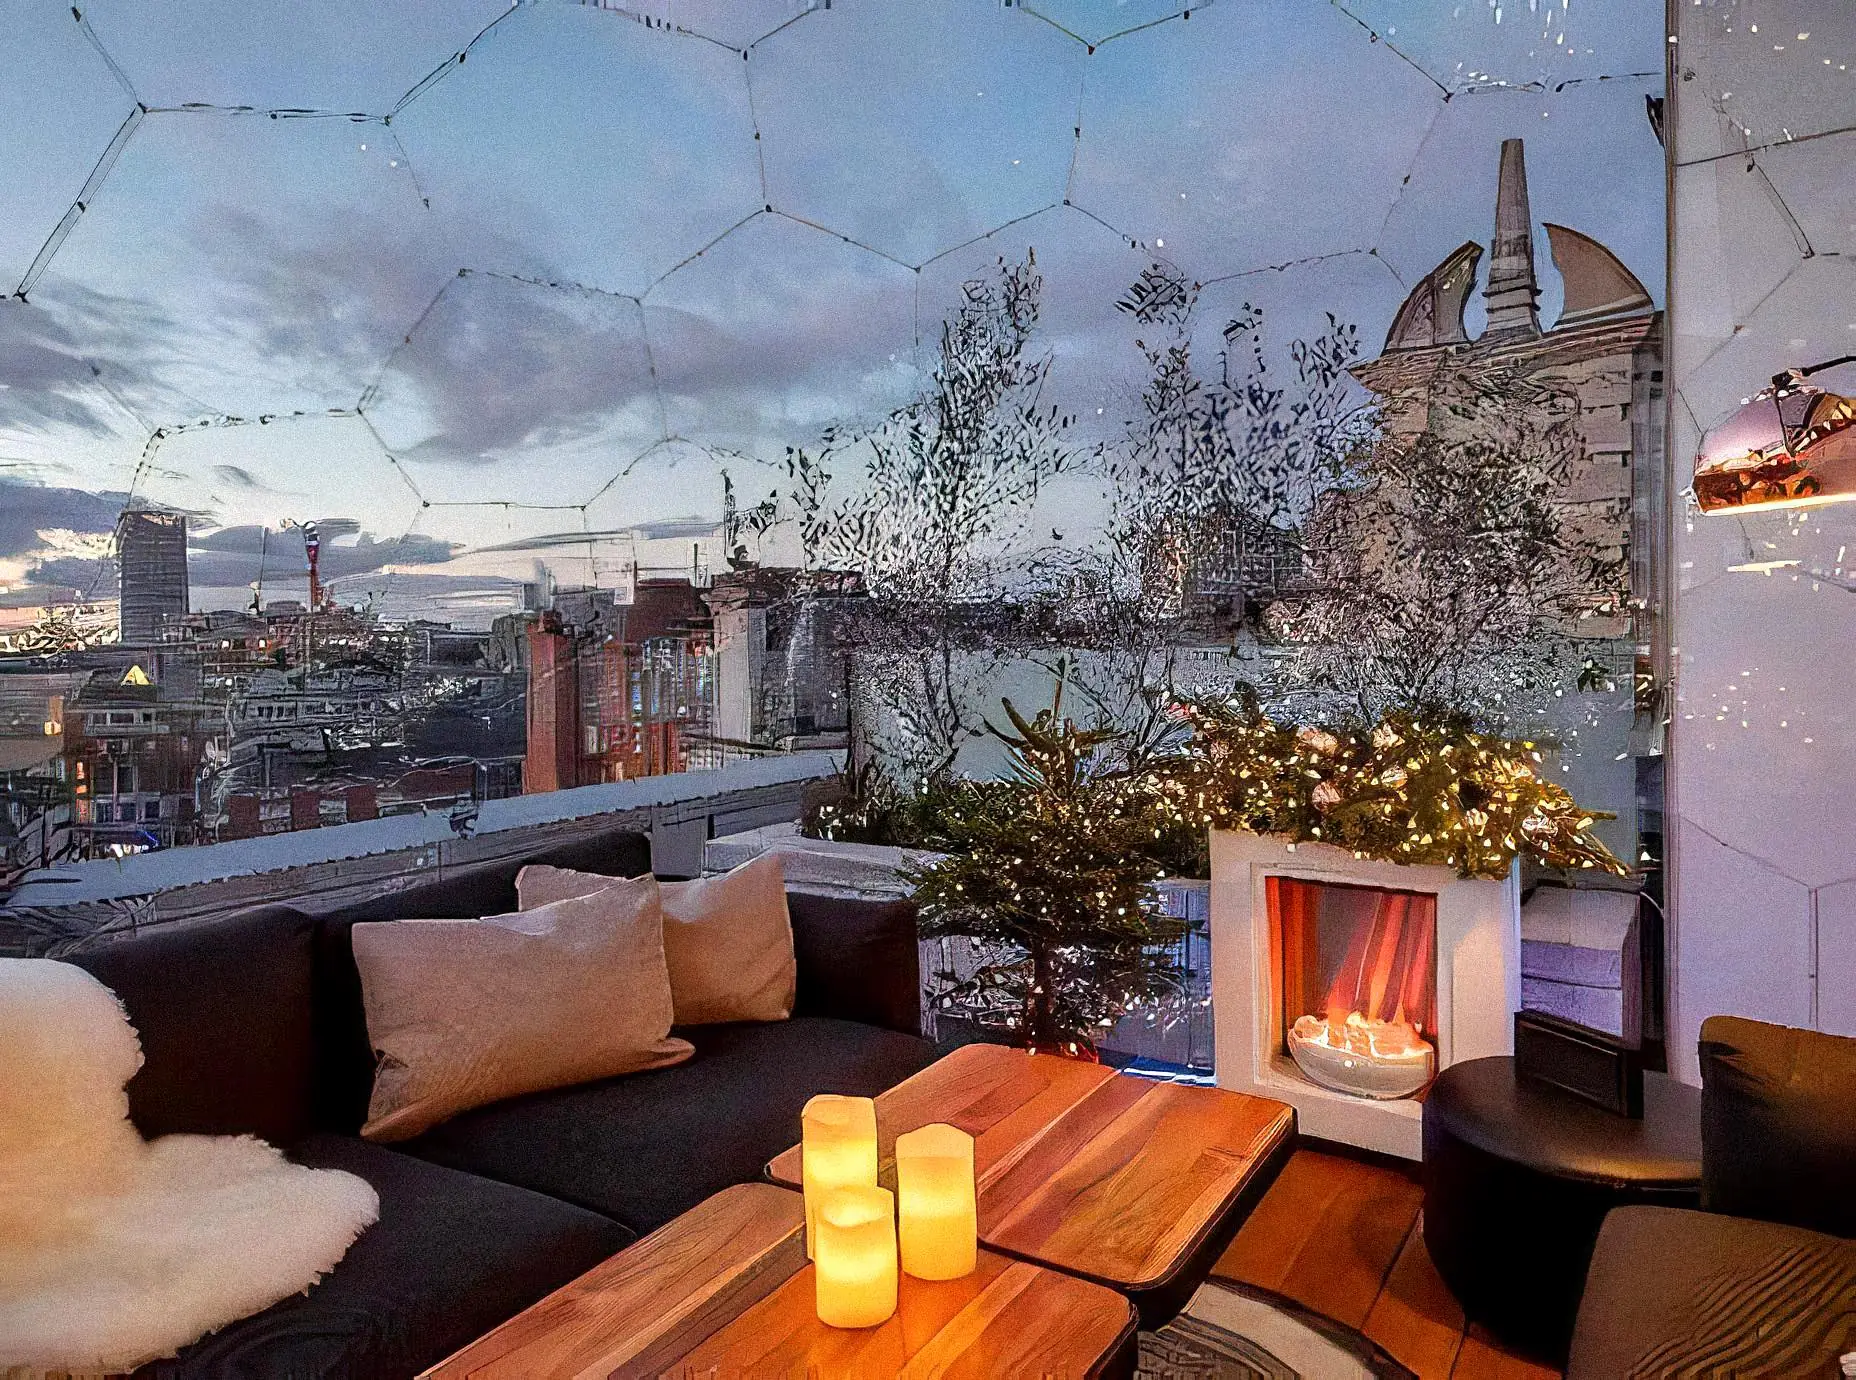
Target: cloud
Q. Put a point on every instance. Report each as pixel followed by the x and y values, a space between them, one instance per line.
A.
pixel 28 509
pixel 251 266
pixel 237 555
pixel 50 383
pixel 500 366
pixel 62 576
pixel 226 557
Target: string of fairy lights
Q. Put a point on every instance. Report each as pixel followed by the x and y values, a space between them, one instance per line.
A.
pixel 1408 789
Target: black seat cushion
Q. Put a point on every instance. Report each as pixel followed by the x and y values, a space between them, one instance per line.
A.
pixel 858 960
pixel 1695 1293
pixel 1778 1124
pixel 451 1257
pixel 1518 1177
pixel 223 1011
pixel 648 1146
pixel 344 1054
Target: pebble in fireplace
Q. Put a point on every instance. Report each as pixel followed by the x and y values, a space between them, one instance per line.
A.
pixel 1358 982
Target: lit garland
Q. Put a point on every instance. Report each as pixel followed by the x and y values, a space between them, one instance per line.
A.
pixel 1408 789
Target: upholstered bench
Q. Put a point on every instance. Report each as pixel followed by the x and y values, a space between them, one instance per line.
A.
pixel 252 1024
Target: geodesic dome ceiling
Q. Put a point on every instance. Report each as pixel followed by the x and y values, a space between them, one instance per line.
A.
pixel 486 285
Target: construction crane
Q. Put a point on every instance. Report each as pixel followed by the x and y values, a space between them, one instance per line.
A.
pixel 312 553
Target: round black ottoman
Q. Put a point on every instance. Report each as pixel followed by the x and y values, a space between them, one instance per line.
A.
pixel 1518 1177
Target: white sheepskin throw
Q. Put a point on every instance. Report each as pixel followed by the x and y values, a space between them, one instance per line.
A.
pixel 115 1251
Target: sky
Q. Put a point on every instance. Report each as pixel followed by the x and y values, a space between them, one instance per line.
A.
pixel 464 312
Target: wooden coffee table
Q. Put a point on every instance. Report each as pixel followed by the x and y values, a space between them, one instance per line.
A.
pixel 725 1290
pixel 1126 1181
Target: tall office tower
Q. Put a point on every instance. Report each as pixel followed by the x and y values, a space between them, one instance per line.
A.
pixel 151 550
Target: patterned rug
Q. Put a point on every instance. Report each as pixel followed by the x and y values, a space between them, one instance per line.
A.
pixel 1228 1334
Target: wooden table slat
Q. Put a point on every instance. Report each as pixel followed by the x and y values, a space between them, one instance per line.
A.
pixel 1104 1175
pixel 638 1311
pixel 725 1290
pixel 1006 1318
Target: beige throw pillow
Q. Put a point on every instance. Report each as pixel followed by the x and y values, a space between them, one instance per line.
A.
pixel 466 1012
pixel 728 939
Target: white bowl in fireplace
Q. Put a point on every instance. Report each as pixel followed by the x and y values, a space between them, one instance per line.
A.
pixel 1367 1065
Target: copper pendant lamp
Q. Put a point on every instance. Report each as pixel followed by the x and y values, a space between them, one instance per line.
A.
pixel 1791 445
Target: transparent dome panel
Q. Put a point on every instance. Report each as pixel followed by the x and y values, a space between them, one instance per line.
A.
pixel 248 491
pixel 248 265
pixel 1812 184
pixel 736 23
pixel 779 331
pixel 506 389
pixel 335 55
pixel 1770 72
pixel 59 113
pixel 1097 21
pixel 1470 44
pixel 943 121
pixel 1084 268
pixel 579 145
pixel 1182 149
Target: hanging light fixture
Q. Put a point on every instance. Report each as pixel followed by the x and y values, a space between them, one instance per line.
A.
pixel 1791 445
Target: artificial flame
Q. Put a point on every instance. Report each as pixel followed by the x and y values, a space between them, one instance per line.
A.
pixel 1369 1034
pixel 1395 1041
pixel 1384 984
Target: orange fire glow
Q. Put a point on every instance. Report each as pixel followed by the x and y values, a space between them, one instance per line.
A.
pixel 1379 1041
pixel 1381 994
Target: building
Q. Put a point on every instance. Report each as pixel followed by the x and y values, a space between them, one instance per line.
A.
pixel 1605 351
pixel 783 656
pixel 1602 363
pixel 133 747
pixel 618 691
pixel 151 552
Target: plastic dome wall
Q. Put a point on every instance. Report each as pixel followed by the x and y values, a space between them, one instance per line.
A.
pixel 446 248
pixel 1763 741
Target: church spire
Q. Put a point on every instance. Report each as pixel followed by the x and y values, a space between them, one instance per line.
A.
pixel 1512 289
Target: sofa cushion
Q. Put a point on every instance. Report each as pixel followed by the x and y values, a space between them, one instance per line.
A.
pixel 464 1013
pixel 223 1011
pixel 648 1146
pixel 727 940
pixel 858 960
pixel 344 1055
pixel 1778 1124
pixel 1679 1293
pixel 452 1256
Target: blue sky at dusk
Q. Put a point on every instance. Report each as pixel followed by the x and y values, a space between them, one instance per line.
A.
pixel 613 252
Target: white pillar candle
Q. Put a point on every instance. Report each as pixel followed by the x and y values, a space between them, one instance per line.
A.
pixel 938 1218
pixel 837 1150
pixel 855 1271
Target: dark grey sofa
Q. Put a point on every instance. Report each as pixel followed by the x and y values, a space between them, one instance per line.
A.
pixel 1762 1282
pixel 252 1024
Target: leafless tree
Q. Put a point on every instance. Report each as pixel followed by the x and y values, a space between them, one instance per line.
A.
pixel 1451 570
pixel 1219 468
pixel 936 510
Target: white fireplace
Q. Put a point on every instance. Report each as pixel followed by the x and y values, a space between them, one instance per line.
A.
pixel 1341 985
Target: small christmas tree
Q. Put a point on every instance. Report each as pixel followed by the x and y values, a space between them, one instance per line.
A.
pixel 1052 873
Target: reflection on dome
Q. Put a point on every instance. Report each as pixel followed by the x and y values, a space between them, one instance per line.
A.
pixel 1789 446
